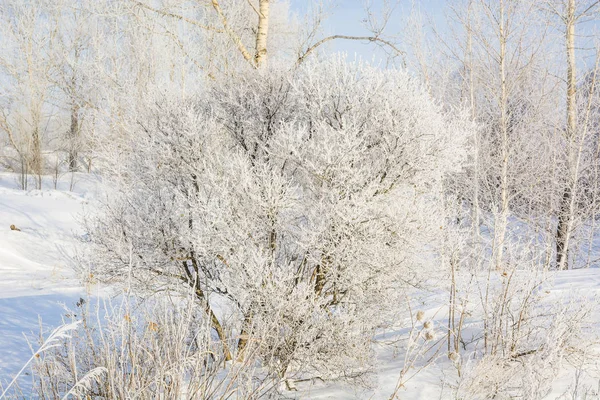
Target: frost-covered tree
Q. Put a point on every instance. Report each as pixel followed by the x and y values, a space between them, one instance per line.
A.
pixel 502 75
pixel 570 13
pixel 299 205
pixel 50 73
pixel 25 36
pixel 73 74
pixel 219 36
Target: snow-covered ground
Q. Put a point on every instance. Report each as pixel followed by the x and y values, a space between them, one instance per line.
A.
pixel 36 261
pixel 37 276
pixel 437 379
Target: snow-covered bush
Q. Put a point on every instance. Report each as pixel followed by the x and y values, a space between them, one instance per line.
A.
pixel 513 333
pixel 544 344
pixel 298 205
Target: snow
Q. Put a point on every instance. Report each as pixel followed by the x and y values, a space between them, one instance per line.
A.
pixel 37 262
pixel 434 381
pixel 38 278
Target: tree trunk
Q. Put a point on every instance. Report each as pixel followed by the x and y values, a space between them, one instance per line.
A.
pixel 73 139
pixel 220 332
pixel 244 336
pixel 216 324
pixel 36 156
pixel 562 231
pixel 262 33
pixel 502 219
pixel 565 218
pixel 476 207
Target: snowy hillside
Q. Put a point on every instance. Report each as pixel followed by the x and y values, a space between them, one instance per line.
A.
pixel 36 262
pixel 299 199
pixel 36 266
pixel 576 380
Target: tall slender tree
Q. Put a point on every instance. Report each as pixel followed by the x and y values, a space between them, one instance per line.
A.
pixel 570 13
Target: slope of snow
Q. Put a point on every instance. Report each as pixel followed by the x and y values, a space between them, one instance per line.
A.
pixel 37 278
pixel 435 380
pixel 36 263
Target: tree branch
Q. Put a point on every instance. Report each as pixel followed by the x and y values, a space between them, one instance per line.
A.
pixel 583 13
pixel 254 8
pixel 334 37
pixel 178 17
pixel 234 37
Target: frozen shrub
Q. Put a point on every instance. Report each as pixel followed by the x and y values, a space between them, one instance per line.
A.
pixel 297 205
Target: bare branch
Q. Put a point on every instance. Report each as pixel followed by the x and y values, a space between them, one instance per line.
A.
pixel 584 12
pixel 334 37
pixel 254 8
pixel 232 35
pixel 178 17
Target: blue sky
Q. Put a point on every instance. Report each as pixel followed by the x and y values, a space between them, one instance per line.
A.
pixel 346 19
pixel 347 14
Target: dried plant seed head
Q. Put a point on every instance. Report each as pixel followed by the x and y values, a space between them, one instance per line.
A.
pixel 420 316
pixel 428 325
pixel 429 335
pixel 454 356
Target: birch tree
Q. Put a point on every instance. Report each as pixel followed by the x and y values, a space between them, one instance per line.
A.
pixel 259 29
pixel 570 13
pixel 499 55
